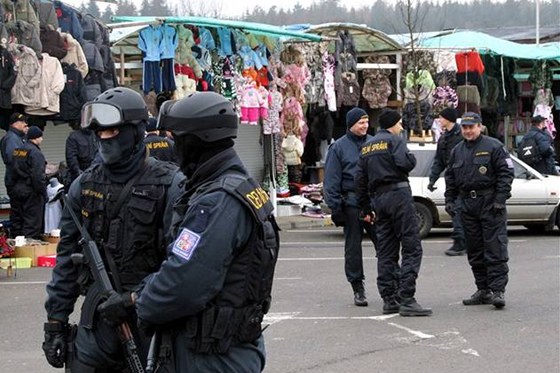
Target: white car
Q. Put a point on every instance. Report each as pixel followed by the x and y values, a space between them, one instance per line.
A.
pixel 534 202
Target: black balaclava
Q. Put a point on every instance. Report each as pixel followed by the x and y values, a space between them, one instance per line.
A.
pixel 123 155
pixel 193 152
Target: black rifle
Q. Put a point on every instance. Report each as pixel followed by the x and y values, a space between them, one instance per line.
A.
pixel 95 262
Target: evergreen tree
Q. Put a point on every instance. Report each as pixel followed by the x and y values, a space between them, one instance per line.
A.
pixel 93 9
pixel 126 8
pixel 107 14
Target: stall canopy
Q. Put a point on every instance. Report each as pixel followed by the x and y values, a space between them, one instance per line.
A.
pixel 486 44
pixel 367 40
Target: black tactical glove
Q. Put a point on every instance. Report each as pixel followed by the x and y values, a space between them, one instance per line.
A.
pixel 498 207
pixel 338 218
pixel 114 311
pixel 450 208
pixel 55 343
pixel 431 186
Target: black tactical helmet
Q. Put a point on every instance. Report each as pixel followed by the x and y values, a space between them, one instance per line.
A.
pixel 113 108
pixel 206 115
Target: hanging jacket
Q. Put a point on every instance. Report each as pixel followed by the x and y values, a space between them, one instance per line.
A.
pixel 28 77
pixel 73 96
pixel 52 43
pixel 149 42
pixel 68 20
pixel 91 29
pixel 169 41
pixel 109 77
pixel 53 207
pixel 52 83
pixel 25 34
pixel 7 78
pixel 292 148
pixel 93 56
pixel 47 14
pixel 469 61
pixel 21 10
pixel 75 54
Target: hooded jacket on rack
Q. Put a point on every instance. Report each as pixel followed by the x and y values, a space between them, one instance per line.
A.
pixel 7 78
pixel 21 10
pixel 28 76
pixel 48 92
pixel 75 54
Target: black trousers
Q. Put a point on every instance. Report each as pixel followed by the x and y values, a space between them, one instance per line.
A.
pixel 397 225
pixel 353 234
pixel 486 239
pixel 29 209
pixel 16 212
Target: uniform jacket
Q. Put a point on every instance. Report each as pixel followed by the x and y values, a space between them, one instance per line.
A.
pixel 48 92
pixel 29 168
pixel 383 161
pixel 7 78
pixel 12 140
pixel 160 147
pixel 479 165
pixel 75 54
pixel 340 169
pixel 445 145
pixel 81 147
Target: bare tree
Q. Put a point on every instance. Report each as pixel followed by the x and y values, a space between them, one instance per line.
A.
pixel 208 8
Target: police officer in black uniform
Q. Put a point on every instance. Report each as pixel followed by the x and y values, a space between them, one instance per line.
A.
pixel 479 178
pixel 81 148
pixel 30 183
pixel 340 195
pixel 450 137
pixel 13 139
pixel 543 159
pixel 382 181
pixel 158 146
pixel 121 202
pixel 214 288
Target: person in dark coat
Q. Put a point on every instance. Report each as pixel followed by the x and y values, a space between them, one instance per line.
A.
pixel 158 146
pixel 340 195
pixel 7 78
pixel 81 148
pixel 545 157
pixel 30 183
pixel 12 140
pixel 382 182
pixel 450 137
pixel 479 178
pixel 210 296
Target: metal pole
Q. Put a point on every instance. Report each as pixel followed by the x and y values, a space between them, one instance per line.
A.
pixel 537 35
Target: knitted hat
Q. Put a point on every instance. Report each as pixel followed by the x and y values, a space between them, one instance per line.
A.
pixel 470 118
pixel 34 132
pixel 354 115
pixel 388 118
pixel 152 125
pixel 449 113
pixel 537 119
pixel 17 117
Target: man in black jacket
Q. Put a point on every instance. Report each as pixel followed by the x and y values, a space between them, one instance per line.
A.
pixel 543 157
pixel 450 137
pixel 81 147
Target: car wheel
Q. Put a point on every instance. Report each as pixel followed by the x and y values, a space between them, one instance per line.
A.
pixel 536 228
pixel 425 219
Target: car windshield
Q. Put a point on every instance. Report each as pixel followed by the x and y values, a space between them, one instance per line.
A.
pixel 424 158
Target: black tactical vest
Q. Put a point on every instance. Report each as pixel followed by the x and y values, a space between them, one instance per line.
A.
pixel 235 315
pixel 133 235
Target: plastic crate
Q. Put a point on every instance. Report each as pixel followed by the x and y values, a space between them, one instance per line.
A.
pixel 19 263
pixel 46 261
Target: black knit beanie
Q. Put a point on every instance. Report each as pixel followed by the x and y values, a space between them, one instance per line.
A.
pixel 449 113
pixel 354 115
pixel 388 118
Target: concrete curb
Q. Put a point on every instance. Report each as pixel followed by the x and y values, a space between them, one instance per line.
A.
pixel 302 222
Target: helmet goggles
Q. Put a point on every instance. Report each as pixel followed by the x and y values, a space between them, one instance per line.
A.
pixel 101 115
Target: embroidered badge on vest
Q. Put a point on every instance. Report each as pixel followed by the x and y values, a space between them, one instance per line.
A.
pixel 185 245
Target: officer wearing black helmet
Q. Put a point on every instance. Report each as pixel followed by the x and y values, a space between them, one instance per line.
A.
pixel 215 286
pixel 121 202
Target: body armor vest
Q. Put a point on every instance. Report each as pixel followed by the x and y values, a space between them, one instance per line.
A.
pixel 235 315
pixel 133 235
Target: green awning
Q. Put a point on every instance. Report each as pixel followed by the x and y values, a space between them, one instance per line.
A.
pixel 486 44
pixel 251 27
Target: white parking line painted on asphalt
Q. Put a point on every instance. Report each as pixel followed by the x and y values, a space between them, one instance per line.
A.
pixel 282 316
pixel 24 283
pixel 417 333
pixel 287 278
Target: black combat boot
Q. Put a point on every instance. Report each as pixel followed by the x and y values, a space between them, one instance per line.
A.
pixel 498 299
pixel 390 305
pixel 482 296
pixel 456 250
pixel 360 299
pixel 409 307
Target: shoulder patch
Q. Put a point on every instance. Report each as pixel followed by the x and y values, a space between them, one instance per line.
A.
pixel 509 162
pixel 185 245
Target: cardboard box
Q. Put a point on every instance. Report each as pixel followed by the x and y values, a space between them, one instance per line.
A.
pixel 35 251
pixel 18 263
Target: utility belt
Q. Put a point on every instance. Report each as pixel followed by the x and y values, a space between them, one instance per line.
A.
pixel 476 193
pixel 216 329
pixel 390 187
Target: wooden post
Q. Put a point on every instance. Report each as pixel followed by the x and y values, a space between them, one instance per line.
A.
pixel 122 66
